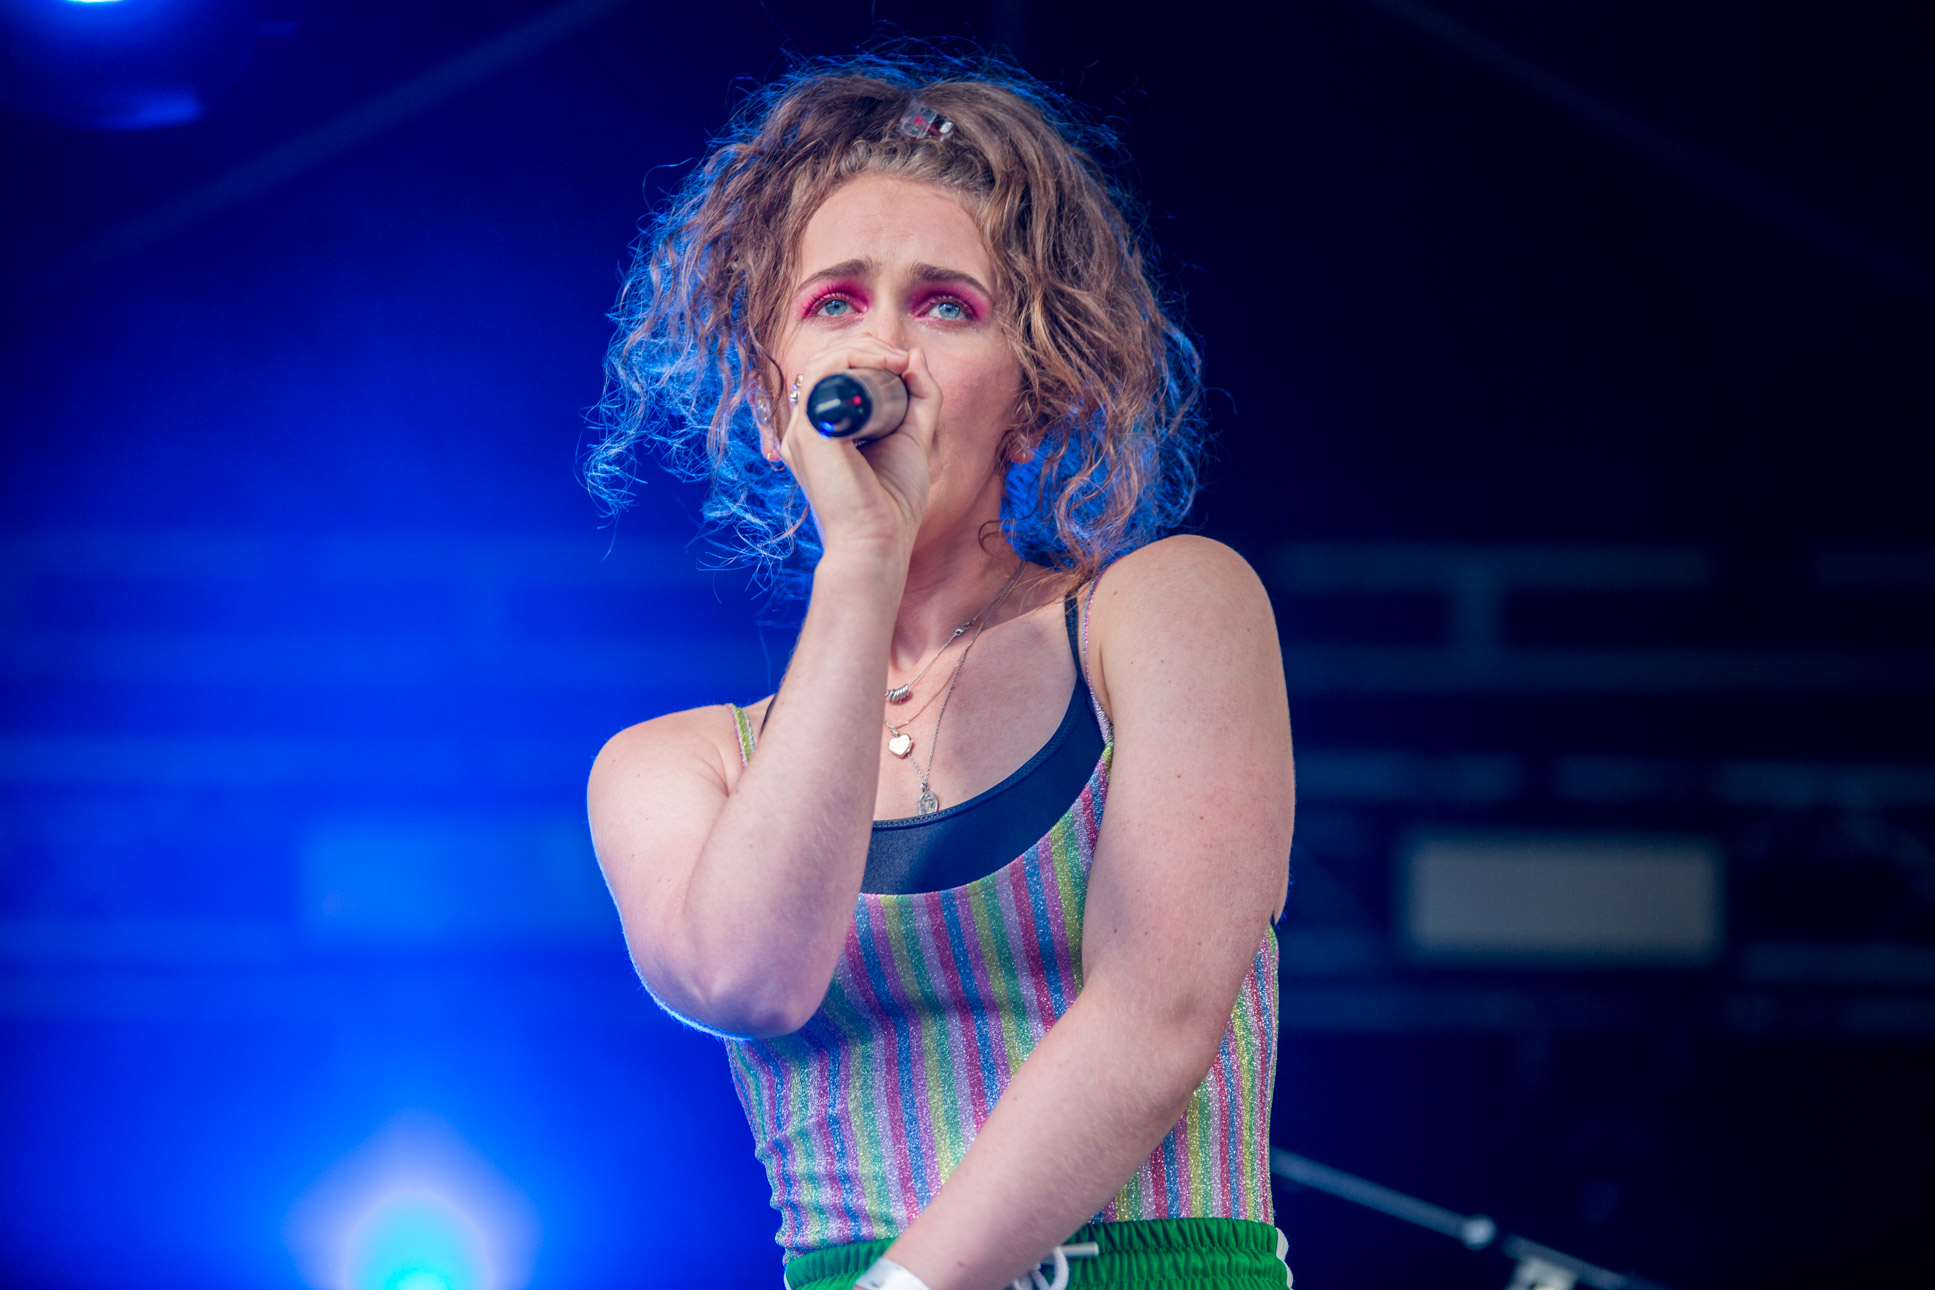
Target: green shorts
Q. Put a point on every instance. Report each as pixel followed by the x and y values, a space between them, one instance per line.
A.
pixel 1152 1254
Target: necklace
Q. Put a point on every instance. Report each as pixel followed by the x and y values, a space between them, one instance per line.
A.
pixel 899 742
pixel 901 693
pixel 928 803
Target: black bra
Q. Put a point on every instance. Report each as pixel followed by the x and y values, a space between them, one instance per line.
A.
pixel 973 839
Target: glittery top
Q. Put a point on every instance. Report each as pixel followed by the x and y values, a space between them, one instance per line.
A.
pixel 860 1115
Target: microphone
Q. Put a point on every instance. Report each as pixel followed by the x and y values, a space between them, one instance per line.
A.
pixel 862 404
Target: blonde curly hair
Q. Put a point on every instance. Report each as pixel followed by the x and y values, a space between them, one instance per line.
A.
pixel 1108 415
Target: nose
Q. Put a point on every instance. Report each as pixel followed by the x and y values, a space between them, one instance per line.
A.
pixel 890 326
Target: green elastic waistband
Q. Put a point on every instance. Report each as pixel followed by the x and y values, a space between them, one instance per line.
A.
pixel 1173 1253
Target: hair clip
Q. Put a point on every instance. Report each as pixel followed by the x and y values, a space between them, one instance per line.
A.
pixel 923 122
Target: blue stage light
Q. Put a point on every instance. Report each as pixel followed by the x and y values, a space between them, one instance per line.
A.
pixel 123 65
pixel 417 1240
pixel 414 1208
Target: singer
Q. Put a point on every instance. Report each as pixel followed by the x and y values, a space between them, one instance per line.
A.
pixel 981 901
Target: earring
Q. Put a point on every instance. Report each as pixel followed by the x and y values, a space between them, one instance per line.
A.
pixel 793 399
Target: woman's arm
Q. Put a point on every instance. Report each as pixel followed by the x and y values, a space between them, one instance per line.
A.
pixel 1190 867
pixel 735 905
pixel 736 893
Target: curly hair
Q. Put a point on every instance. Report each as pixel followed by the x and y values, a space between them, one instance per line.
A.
pixel 1108 420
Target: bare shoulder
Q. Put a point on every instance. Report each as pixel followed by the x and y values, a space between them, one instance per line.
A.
pixel 696 746
pixel 1180 570
pixel 1176 604
pixel 1175 588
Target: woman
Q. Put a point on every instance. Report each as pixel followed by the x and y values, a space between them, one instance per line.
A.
pixel 980 1025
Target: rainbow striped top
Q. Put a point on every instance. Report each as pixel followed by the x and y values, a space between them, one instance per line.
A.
pixel 863 1113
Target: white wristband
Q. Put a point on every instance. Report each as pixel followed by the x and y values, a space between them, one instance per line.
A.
pixel 885 1274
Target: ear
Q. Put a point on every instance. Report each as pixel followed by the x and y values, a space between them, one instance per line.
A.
pixel 1025 431
pixel 760 399
pixel 1018 447
pixel 762 414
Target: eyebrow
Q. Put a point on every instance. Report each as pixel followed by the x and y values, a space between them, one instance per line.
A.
pixel 863 266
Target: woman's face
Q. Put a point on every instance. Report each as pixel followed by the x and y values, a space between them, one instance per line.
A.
pixel 903 262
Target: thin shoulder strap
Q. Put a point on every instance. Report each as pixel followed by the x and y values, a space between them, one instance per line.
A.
pixel 744 725
pixel 1088 611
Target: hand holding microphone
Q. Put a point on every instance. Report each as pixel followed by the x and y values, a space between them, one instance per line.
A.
pixel 862 404
pixel 867 393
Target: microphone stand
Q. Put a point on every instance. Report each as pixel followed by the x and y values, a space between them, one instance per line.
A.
pixel 1539 1267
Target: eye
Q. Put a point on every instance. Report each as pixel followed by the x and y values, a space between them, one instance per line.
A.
pixel 949 309
pixel 831 306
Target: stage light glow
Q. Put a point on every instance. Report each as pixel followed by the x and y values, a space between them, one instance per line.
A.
pixel 416 1240
pixel 414 1208
pixel 420 1279
pixel 122 65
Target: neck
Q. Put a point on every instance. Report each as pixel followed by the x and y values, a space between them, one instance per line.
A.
pixel 944 589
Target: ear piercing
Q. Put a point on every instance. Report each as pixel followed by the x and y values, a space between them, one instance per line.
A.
pixel 792 401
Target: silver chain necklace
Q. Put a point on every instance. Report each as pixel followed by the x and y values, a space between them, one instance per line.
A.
pixel 902 693
pixel 899 742
pixel 928 803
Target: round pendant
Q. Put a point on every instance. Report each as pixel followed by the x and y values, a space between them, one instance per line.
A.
pixel 900 745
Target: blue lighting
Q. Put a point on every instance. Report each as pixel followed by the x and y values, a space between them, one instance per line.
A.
pixel 417 1241
pixel 418 1279
pixel 413 1208
pixel 122 65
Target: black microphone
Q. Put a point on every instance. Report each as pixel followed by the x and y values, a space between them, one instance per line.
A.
pixel 861 404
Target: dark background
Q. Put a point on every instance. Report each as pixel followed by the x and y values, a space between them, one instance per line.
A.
pixel 1571 372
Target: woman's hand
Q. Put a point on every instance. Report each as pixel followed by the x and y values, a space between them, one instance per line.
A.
pixel 873 495
pixel 736 887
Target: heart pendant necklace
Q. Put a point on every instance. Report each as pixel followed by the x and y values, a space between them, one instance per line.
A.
pixel 899 742
pixel 928 803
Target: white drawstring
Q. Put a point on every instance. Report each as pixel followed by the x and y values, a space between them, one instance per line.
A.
pixel 1059 1256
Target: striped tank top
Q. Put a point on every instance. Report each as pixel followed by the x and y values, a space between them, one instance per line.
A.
pixel 862 1114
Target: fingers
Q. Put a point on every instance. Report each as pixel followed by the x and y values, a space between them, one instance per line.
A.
pixel 869 493
pixel 918 379
pixel 923 399
pixel 860 352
